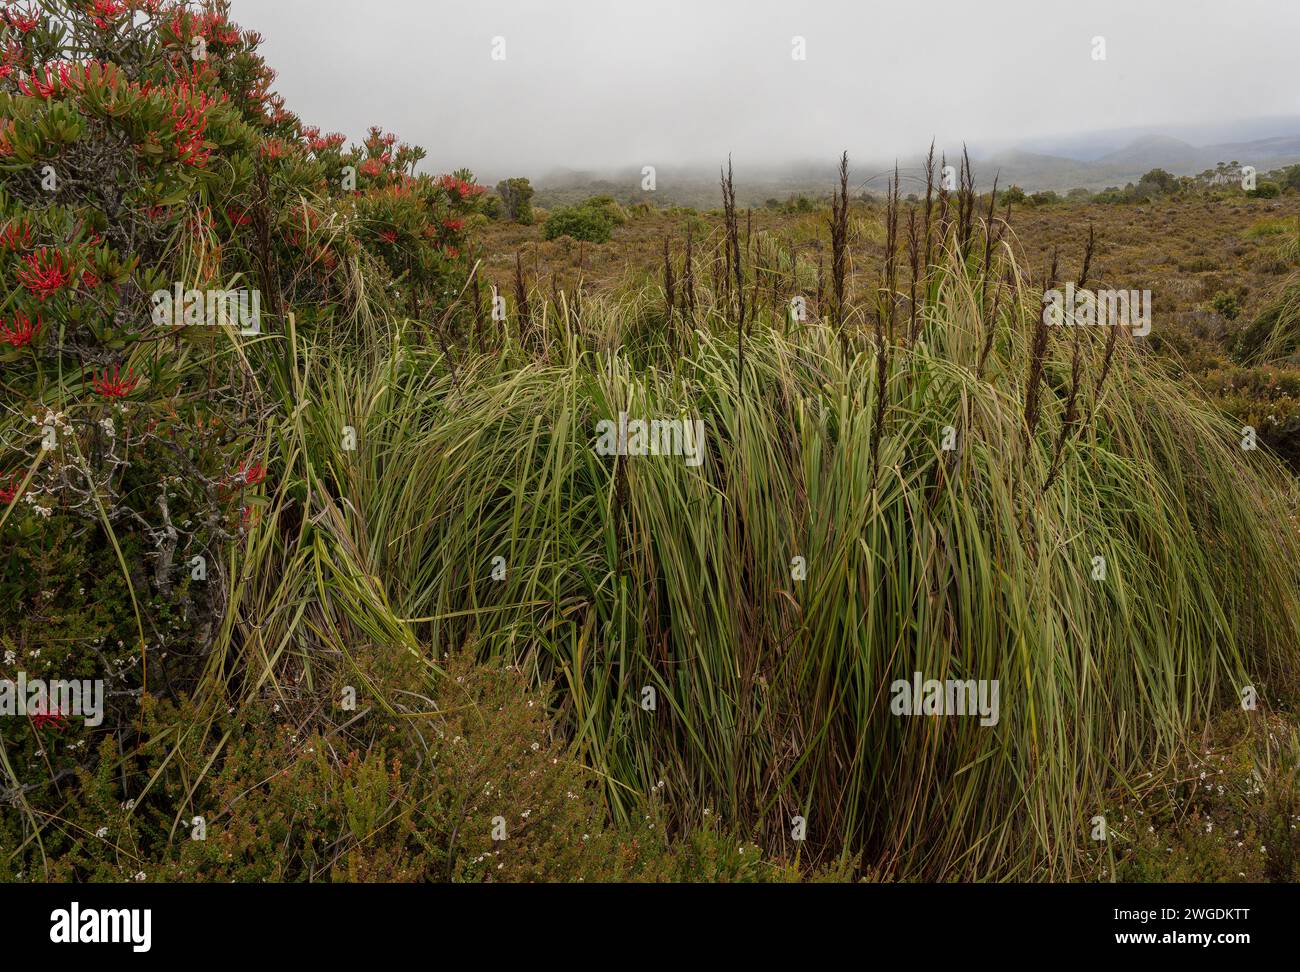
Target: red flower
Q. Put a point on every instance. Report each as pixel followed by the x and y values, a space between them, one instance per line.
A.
pixel 46 82
pixel 89 280
pixel 21 333
pixel 237 217
pixel 189 117
pixel 223 32
pixel 249 473
pixel 104 10
pixel 371 167
pixel 24 23
pixel 119 386
pixel 45 273
pixel 33 85
pixel 388 236
pixel 460 187
pixel 9 493
pixel 11 57
pixel 321 143
pixel 16 236
pixel 49 717
pixel 455 225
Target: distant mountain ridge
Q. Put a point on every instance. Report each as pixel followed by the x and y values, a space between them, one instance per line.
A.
pixel 1129 163
pixel 1077 162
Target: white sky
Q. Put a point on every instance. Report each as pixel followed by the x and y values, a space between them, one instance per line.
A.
pixel 603 83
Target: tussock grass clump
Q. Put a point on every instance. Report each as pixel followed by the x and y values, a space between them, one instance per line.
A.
pixel 770 595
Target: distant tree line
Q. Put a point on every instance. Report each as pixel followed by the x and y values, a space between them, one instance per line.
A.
pixel 1225 179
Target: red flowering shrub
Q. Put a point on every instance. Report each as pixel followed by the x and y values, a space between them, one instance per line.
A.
pixel 150 175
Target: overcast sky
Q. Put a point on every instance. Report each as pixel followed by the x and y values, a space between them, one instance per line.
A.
pixel 603 83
